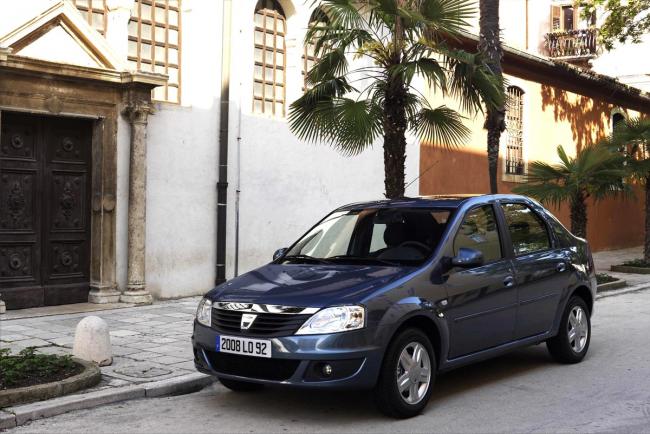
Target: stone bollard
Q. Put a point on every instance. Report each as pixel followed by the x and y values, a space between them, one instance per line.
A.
pixel 3 307
pixel 92 341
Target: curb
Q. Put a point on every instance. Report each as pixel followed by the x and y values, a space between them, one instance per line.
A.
pixel 611 286
pixel 16 416
pixel 90 376
pixel 635 288
pixel 630 269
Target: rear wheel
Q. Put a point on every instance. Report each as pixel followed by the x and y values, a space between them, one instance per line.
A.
pixel 240 386
pixel 407 375
pixel 572 341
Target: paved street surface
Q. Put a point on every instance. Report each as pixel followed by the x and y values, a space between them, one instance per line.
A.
pixel 521 392
pixel 150 343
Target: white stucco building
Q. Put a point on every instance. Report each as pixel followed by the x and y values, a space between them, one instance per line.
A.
pixel 145 223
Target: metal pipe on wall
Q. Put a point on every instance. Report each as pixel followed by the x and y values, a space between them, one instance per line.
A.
pixel 222 184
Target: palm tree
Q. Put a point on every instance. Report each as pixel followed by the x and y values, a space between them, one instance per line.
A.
pixel 633 136
pixel 595 172
pixel 490 46
pixel 352 103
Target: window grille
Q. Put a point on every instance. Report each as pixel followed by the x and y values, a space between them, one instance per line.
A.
pixel 269 86
pixel 515 131
pixel 309 58
pixel 95 12
pixel 155 44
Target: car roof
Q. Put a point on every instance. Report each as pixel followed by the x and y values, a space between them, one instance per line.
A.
pixel 432 201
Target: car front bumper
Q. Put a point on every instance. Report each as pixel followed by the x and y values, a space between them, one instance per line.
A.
pixel 296 360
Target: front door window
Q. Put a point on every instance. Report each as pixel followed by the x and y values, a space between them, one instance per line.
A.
pixel 479 232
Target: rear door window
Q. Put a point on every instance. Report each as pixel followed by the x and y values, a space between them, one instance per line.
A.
pixel 528 231
pixel 479 232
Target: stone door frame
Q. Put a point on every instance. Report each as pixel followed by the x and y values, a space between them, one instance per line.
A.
pixel 47 88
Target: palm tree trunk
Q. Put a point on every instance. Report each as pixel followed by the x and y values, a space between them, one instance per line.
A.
pixel 646 244
pixel 490 46
pixel 578 207
pixel 394 120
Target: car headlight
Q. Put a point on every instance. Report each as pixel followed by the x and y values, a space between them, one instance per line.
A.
pixel 334 319
pixel 204 312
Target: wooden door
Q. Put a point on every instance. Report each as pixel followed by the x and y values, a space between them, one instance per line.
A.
pixel 44 210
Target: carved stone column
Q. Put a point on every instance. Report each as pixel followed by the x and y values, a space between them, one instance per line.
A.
pixel 136 291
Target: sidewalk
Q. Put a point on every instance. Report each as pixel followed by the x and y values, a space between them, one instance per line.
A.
pixel 150 343
pixel 604 260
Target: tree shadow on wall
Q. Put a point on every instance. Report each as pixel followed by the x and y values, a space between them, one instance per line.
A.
pixel 589 118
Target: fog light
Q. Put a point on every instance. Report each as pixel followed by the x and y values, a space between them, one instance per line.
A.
pixel 327 370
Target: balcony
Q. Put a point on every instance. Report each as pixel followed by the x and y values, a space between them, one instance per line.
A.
pixel 572 44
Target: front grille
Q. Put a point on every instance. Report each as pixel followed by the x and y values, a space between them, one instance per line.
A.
pixel 266 324
pixel 252 367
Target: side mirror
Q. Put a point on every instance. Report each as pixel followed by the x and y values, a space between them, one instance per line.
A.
pixel 467 258
pixel 279 253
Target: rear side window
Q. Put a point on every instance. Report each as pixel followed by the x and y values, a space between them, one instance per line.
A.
pixel 563 236
pixel 527 230
pixel 479 231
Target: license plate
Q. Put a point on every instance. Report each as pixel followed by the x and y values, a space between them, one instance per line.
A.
pixel 244 346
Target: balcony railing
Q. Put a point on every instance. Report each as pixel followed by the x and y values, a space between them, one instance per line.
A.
pixel 572 43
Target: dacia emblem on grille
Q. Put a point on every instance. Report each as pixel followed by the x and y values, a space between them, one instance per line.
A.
pixel 247 320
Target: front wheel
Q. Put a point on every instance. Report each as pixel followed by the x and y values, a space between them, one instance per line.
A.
pixel 407 375
pixel 572 341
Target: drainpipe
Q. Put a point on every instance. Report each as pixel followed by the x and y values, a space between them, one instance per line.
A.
pixel 238 187
pixel 222 184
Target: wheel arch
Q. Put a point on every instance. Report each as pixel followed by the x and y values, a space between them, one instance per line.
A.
pixel 429 326
pixel 584 293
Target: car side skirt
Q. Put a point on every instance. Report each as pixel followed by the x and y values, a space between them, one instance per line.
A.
pixel 489 353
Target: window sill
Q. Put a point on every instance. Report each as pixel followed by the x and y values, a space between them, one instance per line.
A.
pixel 513 178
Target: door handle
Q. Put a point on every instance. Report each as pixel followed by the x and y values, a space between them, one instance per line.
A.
pixel 509 281
pixel 560 267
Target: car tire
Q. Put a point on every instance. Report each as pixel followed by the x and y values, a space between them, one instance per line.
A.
pixel 240 386
pixel 410 399
pixel 571 343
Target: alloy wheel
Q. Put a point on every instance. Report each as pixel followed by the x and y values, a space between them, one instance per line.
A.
pixel 577 329
pixel 413 373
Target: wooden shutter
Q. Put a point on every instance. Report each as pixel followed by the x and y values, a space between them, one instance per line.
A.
pixel 556 17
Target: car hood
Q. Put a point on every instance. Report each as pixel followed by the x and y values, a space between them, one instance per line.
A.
pixel 308 285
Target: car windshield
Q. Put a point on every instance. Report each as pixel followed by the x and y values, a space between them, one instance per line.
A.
pixel 383 236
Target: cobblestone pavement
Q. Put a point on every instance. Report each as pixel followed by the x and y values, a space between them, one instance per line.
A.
pixel 150 343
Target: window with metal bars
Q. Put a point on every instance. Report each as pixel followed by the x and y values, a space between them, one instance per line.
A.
pixel 95 12
pixel 309 58
pixel 515 131
pixel 155 44
pixel 269 79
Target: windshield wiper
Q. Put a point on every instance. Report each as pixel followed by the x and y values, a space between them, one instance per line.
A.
pixel 305 258
pixel 364 259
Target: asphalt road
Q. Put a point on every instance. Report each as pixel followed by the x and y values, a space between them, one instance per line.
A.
pixel 522 392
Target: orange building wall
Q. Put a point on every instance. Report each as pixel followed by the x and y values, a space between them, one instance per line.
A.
pixel 551 117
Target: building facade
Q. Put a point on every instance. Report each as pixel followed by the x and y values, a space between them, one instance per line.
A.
pixel 146 153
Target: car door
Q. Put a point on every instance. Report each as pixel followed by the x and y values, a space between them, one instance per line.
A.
pixel 482 300
pixel 541 268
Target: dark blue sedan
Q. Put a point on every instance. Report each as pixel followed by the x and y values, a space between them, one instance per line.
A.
pixel 388 294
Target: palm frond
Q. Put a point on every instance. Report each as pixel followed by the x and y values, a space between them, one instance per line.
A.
pixel 595 172
pixel 471 81
pixel 333 64
pixel 441 126
pixel 448 16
